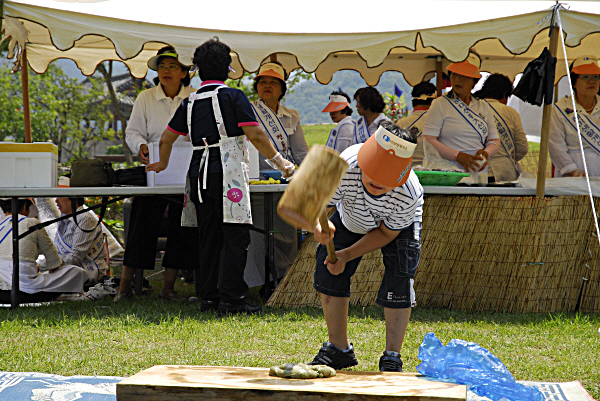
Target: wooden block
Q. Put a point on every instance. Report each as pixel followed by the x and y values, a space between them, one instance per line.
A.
pixel 186 383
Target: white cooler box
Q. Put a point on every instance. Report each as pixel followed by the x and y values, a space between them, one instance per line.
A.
pixel 28 165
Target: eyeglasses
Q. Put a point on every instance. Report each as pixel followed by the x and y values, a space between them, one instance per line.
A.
pixel 586 78
pixel 171 67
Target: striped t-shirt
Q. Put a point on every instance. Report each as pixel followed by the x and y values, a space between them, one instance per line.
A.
pixel 362 212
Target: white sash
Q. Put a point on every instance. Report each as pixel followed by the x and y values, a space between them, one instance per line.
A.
pixel 507 139
pixel 88 263
pixel 7 225
pixel 273 126
pixel 590 132
pixel 473 119
pixel 361 131
pixel 418 132
pixel 332 140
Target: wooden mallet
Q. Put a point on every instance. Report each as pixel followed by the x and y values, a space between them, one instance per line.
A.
pixel 312 187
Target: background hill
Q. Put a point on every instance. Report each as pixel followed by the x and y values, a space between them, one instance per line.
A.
pixel 310 97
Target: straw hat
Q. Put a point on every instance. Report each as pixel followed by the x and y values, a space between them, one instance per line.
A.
pixel 336 103
pixel 386 158
pixel 167 51
pixel 585 65
pixel 468 68
pixel 271 70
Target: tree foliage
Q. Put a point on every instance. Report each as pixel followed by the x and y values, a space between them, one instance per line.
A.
pixel 62 111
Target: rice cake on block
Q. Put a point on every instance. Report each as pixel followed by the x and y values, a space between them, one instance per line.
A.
pixel 172 382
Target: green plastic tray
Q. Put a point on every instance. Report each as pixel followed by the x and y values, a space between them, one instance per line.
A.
pixel 439 178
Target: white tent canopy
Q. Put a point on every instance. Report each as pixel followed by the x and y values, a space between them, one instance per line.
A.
pixel 320 37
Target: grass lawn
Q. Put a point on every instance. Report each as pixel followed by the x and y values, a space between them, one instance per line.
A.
pixel 320 133
pixel 103 338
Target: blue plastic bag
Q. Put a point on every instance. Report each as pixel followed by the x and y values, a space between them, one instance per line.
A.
pixel 468 363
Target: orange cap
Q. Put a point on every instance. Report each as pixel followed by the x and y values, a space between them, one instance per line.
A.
pixel 271 70
pixel 468 68
pixel 585 65
pixel 386 158
pixel 336 103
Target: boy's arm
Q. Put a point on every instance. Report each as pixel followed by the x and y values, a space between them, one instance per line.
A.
pixel 374 239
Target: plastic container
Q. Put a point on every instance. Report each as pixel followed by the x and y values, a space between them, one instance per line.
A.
pixel 28 165
pixel 274 174
pixel 468 363
pixel 439 178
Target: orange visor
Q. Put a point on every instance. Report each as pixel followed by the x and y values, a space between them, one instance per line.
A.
pixel 336 103
pixel 386 158
pixel 586 65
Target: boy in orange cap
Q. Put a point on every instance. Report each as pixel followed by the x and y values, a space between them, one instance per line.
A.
pixel 340 112
pixel 379 206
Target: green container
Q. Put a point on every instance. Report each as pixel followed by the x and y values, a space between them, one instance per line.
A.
pixel 439 178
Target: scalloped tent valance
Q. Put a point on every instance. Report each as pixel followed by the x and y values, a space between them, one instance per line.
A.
pixel 316 36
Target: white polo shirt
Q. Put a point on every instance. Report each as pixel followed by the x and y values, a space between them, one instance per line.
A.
pixel 451 129
pixel 563 143
pixel 362 212
pixel 151 113
pixel 371 128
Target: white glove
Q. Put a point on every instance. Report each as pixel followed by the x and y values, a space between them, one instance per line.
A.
pixel 285 166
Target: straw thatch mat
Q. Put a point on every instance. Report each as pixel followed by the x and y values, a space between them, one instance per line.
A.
pixel 484 254
pixel 530 163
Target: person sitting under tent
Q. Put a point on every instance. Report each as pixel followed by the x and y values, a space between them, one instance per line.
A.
pixel 563 144
pixel 504 165
pixel 370 106
pixel 59 279
pixel 423 95
pixel 340 112
pixel 81 243
pixel 459 126
pixel 379 206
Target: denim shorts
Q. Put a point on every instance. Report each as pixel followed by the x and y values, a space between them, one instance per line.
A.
pixel 400 259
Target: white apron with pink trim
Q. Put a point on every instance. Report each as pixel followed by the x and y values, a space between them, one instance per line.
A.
pixel 235 162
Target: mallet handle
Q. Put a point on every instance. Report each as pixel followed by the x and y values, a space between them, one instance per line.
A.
pixel 324 222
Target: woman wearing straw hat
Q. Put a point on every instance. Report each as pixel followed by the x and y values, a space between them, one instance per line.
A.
pixel 286 134
pixel 504 165
pixel 282 124
pixel 340 112
pixel 423 95
pixel 563 145
pixel 460 126
pixel 151 113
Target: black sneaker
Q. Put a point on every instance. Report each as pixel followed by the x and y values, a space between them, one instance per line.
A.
pixel 226 308
pixel 209 305
pixel 334 357
pixel 390 362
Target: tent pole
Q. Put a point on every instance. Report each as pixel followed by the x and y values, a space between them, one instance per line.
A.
pixel 273 58
pixel 438 75
pixel 25 90
pixel 540 187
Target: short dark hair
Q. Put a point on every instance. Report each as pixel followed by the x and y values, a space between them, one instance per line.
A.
pixel 185 81
pixel 347 111
pixel 399 132
pixel 6 205
pixel 496 86
pixel 370 98
pixel 213 59
pixel 283 84
pixel 423 88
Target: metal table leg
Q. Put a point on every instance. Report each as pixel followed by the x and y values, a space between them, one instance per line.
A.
pixel 14 292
